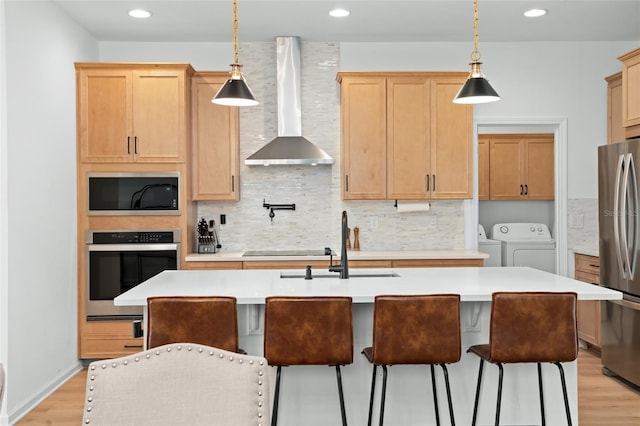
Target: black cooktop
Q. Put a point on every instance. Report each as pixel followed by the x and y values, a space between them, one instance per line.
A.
pixel 250 253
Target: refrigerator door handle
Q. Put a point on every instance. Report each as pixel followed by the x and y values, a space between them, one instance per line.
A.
pixel 628 215
pixel 616 216
pixel 632 236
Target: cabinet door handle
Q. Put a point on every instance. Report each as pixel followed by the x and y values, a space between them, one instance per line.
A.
pixel 346 183
pixel 132 346
pixel 428 180
pixel 128 144
pixel 135 145
pixel 434 182
pixel 526 189
pixel 521 190
pixel 233 183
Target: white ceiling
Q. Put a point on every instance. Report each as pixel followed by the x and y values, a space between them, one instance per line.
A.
pixel 370 20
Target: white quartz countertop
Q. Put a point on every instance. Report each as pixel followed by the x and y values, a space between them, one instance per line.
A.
pixel 253 286
pixel 351 255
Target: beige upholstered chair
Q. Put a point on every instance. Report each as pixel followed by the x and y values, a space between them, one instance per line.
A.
pixel 178 384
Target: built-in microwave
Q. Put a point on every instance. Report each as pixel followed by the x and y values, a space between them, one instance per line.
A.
pixel 143 193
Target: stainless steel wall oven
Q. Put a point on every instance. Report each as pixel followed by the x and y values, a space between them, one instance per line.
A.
pixel 117 261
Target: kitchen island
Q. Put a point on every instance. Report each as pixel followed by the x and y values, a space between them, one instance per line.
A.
pixel 309 394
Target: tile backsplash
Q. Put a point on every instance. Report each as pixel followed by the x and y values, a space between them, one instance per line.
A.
pixel 582 234
pixel 315 190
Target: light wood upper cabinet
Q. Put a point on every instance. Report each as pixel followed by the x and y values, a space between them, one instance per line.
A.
pixel 408 137
pixel 133 112
pixel 404 138
pixel 615 130
pixel 483 167
pixel 521 167
pixel 363 148
pixel 451 140
pixel 215 167
pixel 631 88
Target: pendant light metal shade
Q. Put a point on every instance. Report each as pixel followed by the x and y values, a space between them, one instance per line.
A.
pixel 476 90
pixel 235 91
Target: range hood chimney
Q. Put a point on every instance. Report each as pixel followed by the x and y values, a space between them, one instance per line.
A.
pixel 289 147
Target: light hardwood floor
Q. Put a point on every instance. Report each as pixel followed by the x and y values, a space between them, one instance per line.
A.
pixel 602 401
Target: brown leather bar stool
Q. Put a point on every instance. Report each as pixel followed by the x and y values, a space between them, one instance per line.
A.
pixel 211 321
pixel 308 331
pixel 414 329
pixel 528 327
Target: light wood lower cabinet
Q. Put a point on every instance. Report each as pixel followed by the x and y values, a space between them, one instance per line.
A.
pixel 436 263
pixel 109 339
pixel 212 265
pixel 324 264
pixel 587 269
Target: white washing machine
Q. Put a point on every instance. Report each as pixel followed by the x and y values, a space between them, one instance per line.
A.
pixel 526 244
pixel 492 247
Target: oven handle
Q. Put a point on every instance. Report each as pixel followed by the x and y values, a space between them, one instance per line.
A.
pixel 132 247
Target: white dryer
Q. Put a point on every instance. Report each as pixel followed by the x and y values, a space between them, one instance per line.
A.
pixel 492 247
pixel 526 244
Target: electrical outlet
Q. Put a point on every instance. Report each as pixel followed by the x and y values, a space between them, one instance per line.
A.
pixel 576 221
pixel 373 222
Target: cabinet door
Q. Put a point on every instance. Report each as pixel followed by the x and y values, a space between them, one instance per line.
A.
pixel 539 168
pixel 408 104
pixel 364 138
pixel 615 130
pixel 505 160
pixel 631 88
pixel 215 142
pixel 104 115
pixel 451 141
pixel 159 118
pixel 483 168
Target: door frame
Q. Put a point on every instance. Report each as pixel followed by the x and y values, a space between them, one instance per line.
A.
pixel 555 125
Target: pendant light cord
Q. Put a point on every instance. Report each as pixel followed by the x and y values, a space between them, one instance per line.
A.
pixel 235 32
pixel 475 55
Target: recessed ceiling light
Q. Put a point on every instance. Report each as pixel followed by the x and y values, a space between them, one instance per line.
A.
pixel 139 13
pixel 534 13
pixel 339 13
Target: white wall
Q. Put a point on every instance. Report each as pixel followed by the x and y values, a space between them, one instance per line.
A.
pixel 40 268
pixel 3 208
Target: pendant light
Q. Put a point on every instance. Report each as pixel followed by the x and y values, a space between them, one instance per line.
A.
pixel 235 91
pixel 476 90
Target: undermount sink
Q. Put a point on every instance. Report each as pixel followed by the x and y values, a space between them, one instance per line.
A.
pixel 335 275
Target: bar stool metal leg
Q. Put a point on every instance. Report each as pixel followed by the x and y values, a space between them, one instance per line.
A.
pixel 446 382
pixel 435 394
pixel 373 388
pixel 544 421
pixel 341 395
pixel 276 397
pixel 475 404
pixel 564 392
pixel 384 392
pixel 500 374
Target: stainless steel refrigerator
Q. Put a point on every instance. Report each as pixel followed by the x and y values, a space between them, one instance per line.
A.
pixel 619 216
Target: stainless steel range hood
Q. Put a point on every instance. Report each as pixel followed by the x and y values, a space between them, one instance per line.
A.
pixel 289 147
